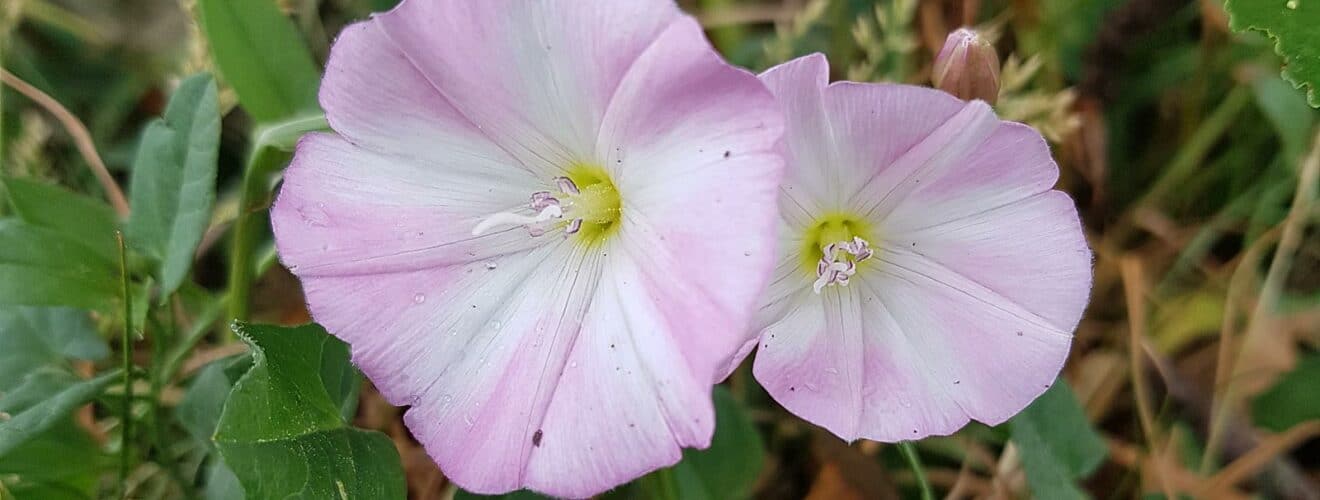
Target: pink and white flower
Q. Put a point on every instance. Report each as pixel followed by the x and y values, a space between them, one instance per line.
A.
pixel 543 225
pixel 928 273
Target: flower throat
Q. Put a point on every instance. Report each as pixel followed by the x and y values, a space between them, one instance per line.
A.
pixel 584 203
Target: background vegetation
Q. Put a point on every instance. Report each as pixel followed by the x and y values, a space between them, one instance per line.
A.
pixel 1195 373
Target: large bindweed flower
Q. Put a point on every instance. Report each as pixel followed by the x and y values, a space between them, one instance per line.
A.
pixel 928 275
pixel 543 225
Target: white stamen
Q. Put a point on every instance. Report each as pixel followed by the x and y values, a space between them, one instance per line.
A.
pixel 573 226
pixel 567 186
pixel 513 219
pixel 838 262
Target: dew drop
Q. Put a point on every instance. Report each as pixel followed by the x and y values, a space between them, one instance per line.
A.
pixel 419 298
pixel 812 387
pixel 747 253
pixel 495 325
pixel 468 420
pixel 491 265
pixel 1292 4
pixel 573 364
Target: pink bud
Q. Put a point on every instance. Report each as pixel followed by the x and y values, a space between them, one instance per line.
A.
pixel 967 67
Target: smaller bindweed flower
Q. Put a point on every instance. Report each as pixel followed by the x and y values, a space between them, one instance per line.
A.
pixel 967 67
pixel 543 226
pixel 928 273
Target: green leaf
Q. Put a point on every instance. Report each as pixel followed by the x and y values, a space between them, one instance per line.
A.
pixel 44 267
pixel 1286 110
pixel 174 180
pixel 199 411
pixel 1292 26
pixel 199 414
pixel 53 207
pixel 383 5
pixel 1293 399
pixel 1057 443
pixel 42 467
pixel 282 433
pixel 221 483
pixel 35 337
pixel 730 467
pixel 260 53
pixel 33 419
pixel 516 495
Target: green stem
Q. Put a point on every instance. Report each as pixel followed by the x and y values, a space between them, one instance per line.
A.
pixel 660 485
pixel 252 201
pixel 910 454
pixel 126 347
pixel 200 327
pixel 270 151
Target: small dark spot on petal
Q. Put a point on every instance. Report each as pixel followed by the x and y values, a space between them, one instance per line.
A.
pixel 536 438
pixel 956 382
pixel 728 153
pixel 611 346
pixel 1019 334
pixel 792 388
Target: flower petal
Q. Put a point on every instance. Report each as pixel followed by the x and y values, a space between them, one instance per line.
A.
pixel 346 210
pixel 538 88
pixel 630 375
pixel 988 353
pixel 377 99
pixel 941 150
pixel 690 142
pixel 799 87
pixel 503 366
pixel 1013 164
pixel 1031 252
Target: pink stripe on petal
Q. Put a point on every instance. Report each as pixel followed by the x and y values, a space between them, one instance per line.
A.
pixel 535 76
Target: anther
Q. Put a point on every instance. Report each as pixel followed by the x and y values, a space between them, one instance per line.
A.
pixel 838 262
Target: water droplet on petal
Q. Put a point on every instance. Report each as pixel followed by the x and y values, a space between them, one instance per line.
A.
pixel 491 265
pixel 573 364
pixel 419 298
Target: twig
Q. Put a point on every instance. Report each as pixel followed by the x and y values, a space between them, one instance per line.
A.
pixel 81 137
pixel 1250 463
pixel 1262 316
pixel 1136 305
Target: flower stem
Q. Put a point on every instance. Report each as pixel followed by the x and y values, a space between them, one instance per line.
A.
pixel 126 348
pixel 910 454
pixel 252 200
pixel 270 151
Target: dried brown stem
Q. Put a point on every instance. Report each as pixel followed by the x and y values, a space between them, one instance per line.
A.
pixel 81 137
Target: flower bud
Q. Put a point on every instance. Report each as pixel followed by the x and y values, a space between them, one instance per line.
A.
pixel 967 67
